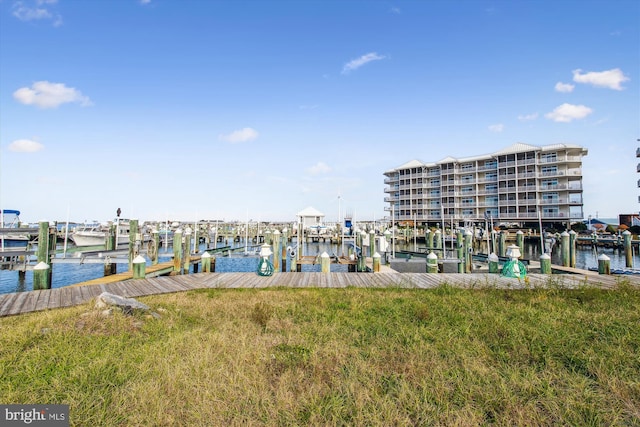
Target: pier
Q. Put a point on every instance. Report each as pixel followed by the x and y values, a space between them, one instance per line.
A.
pixel 46 299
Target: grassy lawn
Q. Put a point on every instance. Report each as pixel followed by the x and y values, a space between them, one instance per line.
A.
pixel 356 357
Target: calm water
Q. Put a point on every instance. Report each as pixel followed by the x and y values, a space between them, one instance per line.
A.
pixel 67 274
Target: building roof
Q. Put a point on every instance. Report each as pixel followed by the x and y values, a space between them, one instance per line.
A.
pixel 518 147
pixel 310 211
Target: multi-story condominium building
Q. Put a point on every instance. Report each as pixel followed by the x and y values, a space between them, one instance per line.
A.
pixel 522 183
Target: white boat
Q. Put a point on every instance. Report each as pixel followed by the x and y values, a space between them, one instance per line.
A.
pixel 10 235
pixel 90 234
pixel 95 234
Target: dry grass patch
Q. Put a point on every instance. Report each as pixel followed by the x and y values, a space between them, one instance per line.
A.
pixel 336 357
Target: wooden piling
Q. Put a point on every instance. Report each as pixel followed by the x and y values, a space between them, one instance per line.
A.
pixel 372 243
pixel 628 253
pixel 572 249
pixel 564 248
pixel 460 250
pixel 206 262
pixel 545 264
pixel 376 262
pixel 139 267
pixel 502 243
pixel 110 243
pixel 41 276
pixel 177 252
pixel 428 238
pixel 494 263
pixel 432 262
pixel 325 262
pixel 520 240
pixel 44 256
pixel 155 236
pixel 187 252
pixel 604 264
pixel 468 242
pixel 275 238
pixel 133 236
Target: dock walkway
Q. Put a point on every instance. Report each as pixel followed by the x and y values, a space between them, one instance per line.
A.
pixel 25 302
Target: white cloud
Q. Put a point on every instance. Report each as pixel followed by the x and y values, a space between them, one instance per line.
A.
pixel 564 87
pixel 242 135
pixel 25 146
pixel 145 1
pixel 496 128
pixel 395 10
pixel 319 168
pixel 610 79
pixel 528 117
pixel 566 113
pixel 45 94
pixel 36 10
pixel 354 64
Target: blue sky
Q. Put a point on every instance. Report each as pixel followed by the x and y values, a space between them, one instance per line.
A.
pixel 227 109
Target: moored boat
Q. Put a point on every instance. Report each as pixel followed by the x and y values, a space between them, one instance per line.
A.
pixel 95 234
pixel 90 234
pixel 11 236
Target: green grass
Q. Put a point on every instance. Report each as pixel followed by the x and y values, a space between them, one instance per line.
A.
pixel 359 357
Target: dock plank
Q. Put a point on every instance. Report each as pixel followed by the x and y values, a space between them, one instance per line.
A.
pixel 18 302
pixel 22 302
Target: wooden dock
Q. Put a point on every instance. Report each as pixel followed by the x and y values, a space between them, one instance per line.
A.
pixel 25 302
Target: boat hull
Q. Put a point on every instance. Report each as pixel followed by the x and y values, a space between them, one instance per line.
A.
pixel 89 239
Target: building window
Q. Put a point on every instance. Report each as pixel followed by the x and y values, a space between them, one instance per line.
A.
pixel 549 157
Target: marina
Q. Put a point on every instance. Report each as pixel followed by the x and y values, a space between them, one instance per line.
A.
pixel 235 247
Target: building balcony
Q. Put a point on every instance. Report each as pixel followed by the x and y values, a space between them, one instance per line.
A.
pixel 526 161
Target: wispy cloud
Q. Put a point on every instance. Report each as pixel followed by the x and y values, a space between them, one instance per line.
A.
pixel 396 11
pixel 145 1
pixel 564 87
pixel 610 79
pixel 566 113
pixel 45 94
pixel 242 135
pixel 497 128
pixel 527 117
pixel 354 64
pixel 319 168
pixel 25 146
pixel 308 107
pixel 30 10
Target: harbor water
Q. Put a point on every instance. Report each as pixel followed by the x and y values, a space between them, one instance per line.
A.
pixel 67 274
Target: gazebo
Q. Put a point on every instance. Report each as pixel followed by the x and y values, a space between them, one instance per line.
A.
pixel 310 217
